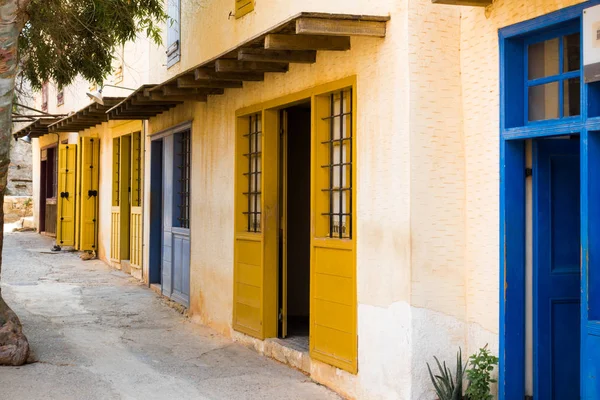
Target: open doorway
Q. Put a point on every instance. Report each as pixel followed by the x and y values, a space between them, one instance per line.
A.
pixel 294 196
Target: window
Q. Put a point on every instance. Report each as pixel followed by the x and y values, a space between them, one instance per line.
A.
pixel 45 97
pixel 173 32
pixel 253 173
pixel 553 78
pixel 243 7
pixel 116 173
pixel 60 97
pixel 181 190
pixel 339 167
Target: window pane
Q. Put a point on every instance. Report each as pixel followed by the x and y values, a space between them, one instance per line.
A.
pixel 543 59
pixel 543 102
pixel 571 53
pixel 571 93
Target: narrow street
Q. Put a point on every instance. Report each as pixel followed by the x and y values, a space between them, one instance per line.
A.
pixel 99 334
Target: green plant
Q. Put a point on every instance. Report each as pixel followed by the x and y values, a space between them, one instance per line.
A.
pixel 480 375
pixel 446 386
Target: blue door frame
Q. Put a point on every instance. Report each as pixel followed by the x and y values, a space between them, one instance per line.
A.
pixel 513 132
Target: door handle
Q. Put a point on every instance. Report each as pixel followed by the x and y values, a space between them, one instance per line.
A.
pixel 64 195
pixel 92 193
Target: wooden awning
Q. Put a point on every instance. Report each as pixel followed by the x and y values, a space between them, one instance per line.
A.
pixel 473 3
pixel 143 104
pixel 295 40
pixel 37 128
pixel 91 115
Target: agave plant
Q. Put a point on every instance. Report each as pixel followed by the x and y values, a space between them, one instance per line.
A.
pixel 448 387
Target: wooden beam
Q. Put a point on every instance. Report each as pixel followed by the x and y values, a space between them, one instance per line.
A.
pixel 187 82
pixel 336 27
pixel 473 3
pixel 208 74
pixel 307 42
pixel 174 91
pixel 286 56
pixel 249 66
pixel 189 97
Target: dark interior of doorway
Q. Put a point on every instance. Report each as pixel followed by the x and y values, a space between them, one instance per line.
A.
pixel 156 211
pixel 297 177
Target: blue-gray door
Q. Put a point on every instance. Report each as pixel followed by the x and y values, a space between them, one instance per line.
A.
pixel 556 272
pixel 176 229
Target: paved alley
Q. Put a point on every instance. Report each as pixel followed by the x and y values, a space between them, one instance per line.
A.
pixel 99 334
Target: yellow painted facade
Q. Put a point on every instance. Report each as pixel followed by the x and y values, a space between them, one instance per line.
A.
pixel 419 274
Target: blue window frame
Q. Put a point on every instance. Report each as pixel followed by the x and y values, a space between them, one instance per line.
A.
pixel 550 80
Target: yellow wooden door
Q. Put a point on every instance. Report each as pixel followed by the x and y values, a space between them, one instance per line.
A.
pixel 89 178
pixel 65 228
pixel 115 216
pixel 136 201
pixel 333 313
pixel 255 261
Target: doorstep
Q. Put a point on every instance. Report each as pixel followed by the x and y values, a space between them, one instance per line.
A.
pixel 287 353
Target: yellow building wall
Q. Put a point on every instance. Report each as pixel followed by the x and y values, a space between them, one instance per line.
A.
pixel 383 184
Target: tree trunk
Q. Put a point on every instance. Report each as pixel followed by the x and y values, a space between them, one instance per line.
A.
pixel 14 348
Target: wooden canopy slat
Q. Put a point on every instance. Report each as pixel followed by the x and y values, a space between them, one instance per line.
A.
pixel 473 3
pixel 89 116
pixel 294 40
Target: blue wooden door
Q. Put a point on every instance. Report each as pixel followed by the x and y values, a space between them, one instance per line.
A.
pixel 556 271
pixel 175 280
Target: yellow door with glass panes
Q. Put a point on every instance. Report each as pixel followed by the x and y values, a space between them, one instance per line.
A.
pixel 255 266
pixel 333 313
pixel 65 224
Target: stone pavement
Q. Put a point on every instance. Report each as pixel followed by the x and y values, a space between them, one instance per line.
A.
pixel 99 334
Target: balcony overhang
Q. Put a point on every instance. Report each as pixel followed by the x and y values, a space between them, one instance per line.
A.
pixel 473 3
pixel 295 40
pixel 37 128
pixel 89 116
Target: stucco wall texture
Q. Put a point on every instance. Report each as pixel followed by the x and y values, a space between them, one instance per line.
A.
pixel 427 185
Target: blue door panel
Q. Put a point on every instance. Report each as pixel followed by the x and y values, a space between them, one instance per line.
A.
pixel 176 241
pixel 592 367
pixel 181 264
pixel 185 289
pixel 556 272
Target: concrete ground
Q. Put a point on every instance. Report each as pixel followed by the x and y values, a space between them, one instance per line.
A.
pixel 99 334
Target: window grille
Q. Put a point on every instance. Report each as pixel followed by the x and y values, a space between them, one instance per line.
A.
pixel 116 171
pixel 182 152
pixel 253 173
pixel 340 165
pixel 137 169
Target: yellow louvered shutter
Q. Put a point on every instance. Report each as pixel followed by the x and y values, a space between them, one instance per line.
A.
pixel 90 156
pixel 243 7
pixel 65 227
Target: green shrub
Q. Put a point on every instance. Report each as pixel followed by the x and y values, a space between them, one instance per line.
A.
pixel 480 375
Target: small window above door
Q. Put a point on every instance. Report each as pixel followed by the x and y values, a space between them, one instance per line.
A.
pixel 553 78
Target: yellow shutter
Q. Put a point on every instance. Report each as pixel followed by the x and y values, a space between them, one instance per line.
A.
pixel 333 313
pixel 65 230
pixel 115 219
pixel 125 195
pixel 243 7
pixel 255 261
pixel 136 201
pixel 90 156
